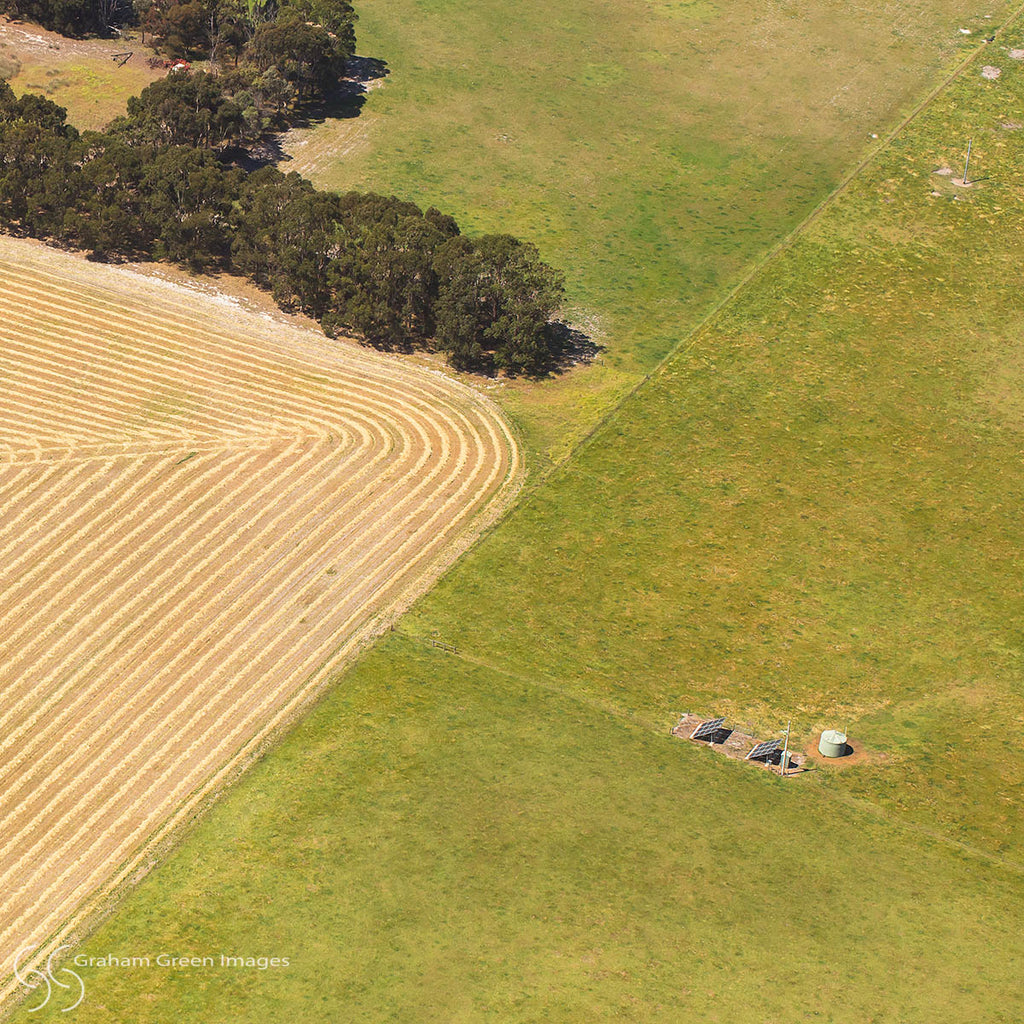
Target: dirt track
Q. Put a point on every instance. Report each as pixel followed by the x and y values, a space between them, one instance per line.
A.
pixel 202 514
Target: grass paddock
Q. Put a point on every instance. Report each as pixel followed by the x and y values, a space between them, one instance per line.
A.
pixel 812 512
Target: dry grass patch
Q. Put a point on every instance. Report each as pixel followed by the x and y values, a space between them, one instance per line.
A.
pixel 78 74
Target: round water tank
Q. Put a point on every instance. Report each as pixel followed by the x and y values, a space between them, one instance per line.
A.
pixel 832 743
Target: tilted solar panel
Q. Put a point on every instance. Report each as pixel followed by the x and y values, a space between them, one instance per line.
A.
pixel 764 749
pixel 706 729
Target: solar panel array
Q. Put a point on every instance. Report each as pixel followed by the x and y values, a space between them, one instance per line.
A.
pixel 765 749
pixel 706 729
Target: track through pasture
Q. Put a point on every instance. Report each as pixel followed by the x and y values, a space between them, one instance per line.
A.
pixel 203 512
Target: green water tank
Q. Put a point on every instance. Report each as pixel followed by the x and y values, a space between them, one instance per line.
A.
pixel 832 743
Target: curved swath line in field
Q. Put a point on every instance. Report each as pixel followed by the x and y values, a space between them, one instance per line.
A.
pixel 56 724
pixel 171 599
pixel 393 530
pixel 408 563
pixel 396 555
pixel 124 371
pixel 118 368
pixel 199 330
pixel 121 374
pixel 150 358
pixel 274 395
pixel 160 754
pixel 338 431
pixel 113 598
pixel 326 667
pixel 200 333
pixel 125 543
pixel 111 422
pixel 129 539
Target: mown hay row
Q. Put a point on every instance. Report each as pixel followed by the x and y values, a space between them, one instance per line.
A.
pixel 198 523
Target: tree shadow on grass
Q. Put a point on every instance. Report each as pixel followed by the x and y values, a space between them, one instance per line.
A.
pixel 348 98
pixel 267 150
pixel 345 102
pixel 569 347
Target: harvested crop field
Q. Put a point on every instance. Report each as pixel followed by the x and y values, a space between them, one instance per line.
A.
pixel 203 513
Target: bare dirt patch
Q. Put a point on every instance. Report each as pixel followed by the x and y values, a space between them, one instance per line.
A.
pixel 734 743
pixel 231 293
pixel 858 754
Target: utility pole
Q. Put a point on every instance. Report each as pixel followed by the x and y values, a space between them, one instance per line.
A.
pixel 785 752
pixel 967 162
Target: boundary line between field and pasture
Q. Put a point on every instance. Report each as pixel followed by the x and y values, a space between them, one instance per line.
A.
pixel 441 395
pixel 688 342
pixel 154 849
pixel 694 335
pixel 483 520
pixel 685 344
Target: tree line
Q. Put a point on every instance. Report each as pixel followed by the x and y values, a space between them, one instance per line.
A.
pixel 71 17
pixel 153 186
pixel 281 53
pixel 282 32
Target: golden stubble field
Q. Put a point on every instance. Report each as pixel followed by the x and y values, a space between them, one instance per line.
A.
pixel 203 512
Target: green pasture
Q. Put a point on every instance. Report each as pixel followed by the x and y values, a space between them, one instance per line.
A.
pixel 811 511
pixel 651 149
pixel 442 842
